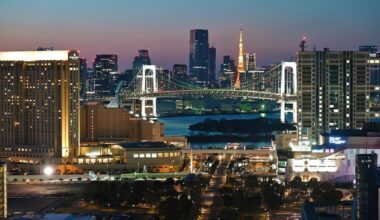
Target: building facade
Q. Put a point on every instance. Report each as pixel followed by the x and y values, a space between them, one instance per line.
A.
pixel 39 104
pixel 104 66
pixel 366 187
pixel 115 125
pixel 199 55
pixel 212 64
pixel 333 91
pixel 3 190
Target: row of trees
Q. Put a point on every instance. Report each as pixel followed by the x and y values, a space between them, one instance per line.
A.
pixel 249 196
pixel 321 192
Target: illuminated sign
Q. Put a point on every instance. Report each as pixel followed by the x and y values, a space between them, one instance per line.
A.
pixel 336 140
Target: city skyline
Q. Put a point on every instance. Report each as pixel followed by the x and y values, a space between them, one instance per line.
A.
pixel 272 31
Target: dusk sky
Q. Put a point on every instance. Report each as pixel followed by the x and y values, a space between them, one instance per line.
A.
pixel 272 29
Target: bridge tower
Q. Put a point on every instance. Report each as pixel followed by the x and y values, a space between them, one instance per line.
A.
pixel 285 90
pixel 147 83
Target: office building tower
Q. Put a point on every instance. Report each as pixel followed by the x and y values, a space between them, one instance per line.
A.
pixel 83 76
pixel 3 190
pixel 250 61
pixel 366 201
pixel 140 60
pixel 199 55
pixel 333 91
pixel 179 71
pixel 39 104
pixel 227 72
pixel 212 64
pixel 104 66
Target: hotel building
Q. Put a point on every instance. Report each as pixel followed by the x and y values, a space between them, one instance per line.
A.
pixel 39 105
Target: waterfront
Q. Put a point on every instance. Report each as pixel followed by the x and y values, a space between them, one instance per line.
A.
pixel 179 126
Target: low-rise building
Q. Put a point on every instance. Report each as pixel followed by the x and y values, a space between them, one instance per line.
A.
pixel 334 160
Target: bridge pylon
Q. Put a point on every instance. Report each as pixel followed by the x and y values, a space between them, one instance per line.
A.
pixel 286 91
pixel 147 83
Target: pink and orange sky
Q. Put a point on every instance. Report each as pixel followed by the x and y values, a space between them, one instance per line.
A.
pixel 272 28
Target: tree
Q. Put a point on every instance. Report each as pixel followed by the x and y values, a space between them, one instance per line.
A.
pixel 273 194
pixel 313 183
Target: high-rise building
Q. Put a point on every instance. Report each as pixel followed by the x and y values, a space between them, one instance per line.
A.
pixel 374 78
pixel 366 201
pixel 140 60
pixel 83 76
pixel 199 55
pixel 105 65
pixel 250 61
pixel 3 190
pixel 333 91
pixel 39 104
pixel 212 64
pixel 227 72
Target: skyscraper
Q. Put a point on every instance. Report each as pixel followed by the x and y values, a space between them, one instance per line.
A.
pixel 366 200
pixel 140 60
pixel 250 61
pixel 227 72
pixel 212 64
pixel 199 55
pixel 333 91
pixel 104 66
pixel 83 75
pixel 39 104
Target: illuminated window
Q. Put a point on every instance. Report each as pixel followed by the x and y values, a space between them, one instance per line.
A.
pixel 171 154
pixel 135 155
pixel 160 155
pixel 154 155
pixel 142 155
pixel 148 155
pixel 166 154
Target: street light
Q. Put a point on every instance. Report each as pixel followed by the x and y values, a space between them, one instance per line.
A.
pixel 48 171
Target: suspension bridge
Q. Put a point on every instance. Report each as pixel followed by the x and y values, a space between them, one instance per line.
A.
pixel 144 89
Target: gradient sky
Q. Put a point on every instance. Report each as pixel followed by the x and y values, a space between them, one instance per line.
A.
pixel 272 28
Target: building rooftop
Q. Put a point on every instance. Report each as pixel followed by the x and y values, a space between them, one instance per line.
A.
pixel 352 133
pixel 144 145
pixel 45 55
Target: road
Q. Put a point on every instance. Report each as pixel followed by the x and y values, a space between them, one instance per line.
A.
pixel 30 190
pixel 218 179
pixel 38 198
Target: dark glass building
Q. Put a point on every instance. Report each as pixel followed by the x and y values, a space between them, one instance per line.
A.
pixel 83 76
pixel 366 187
pixel 212 64
pixel 199 55
pixel 227 72
pixel 105 65
pixel 140 60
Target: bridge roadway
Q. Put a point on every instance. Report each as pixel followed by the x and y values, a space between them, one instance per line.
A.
pixel 214 92
pixel 230 151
